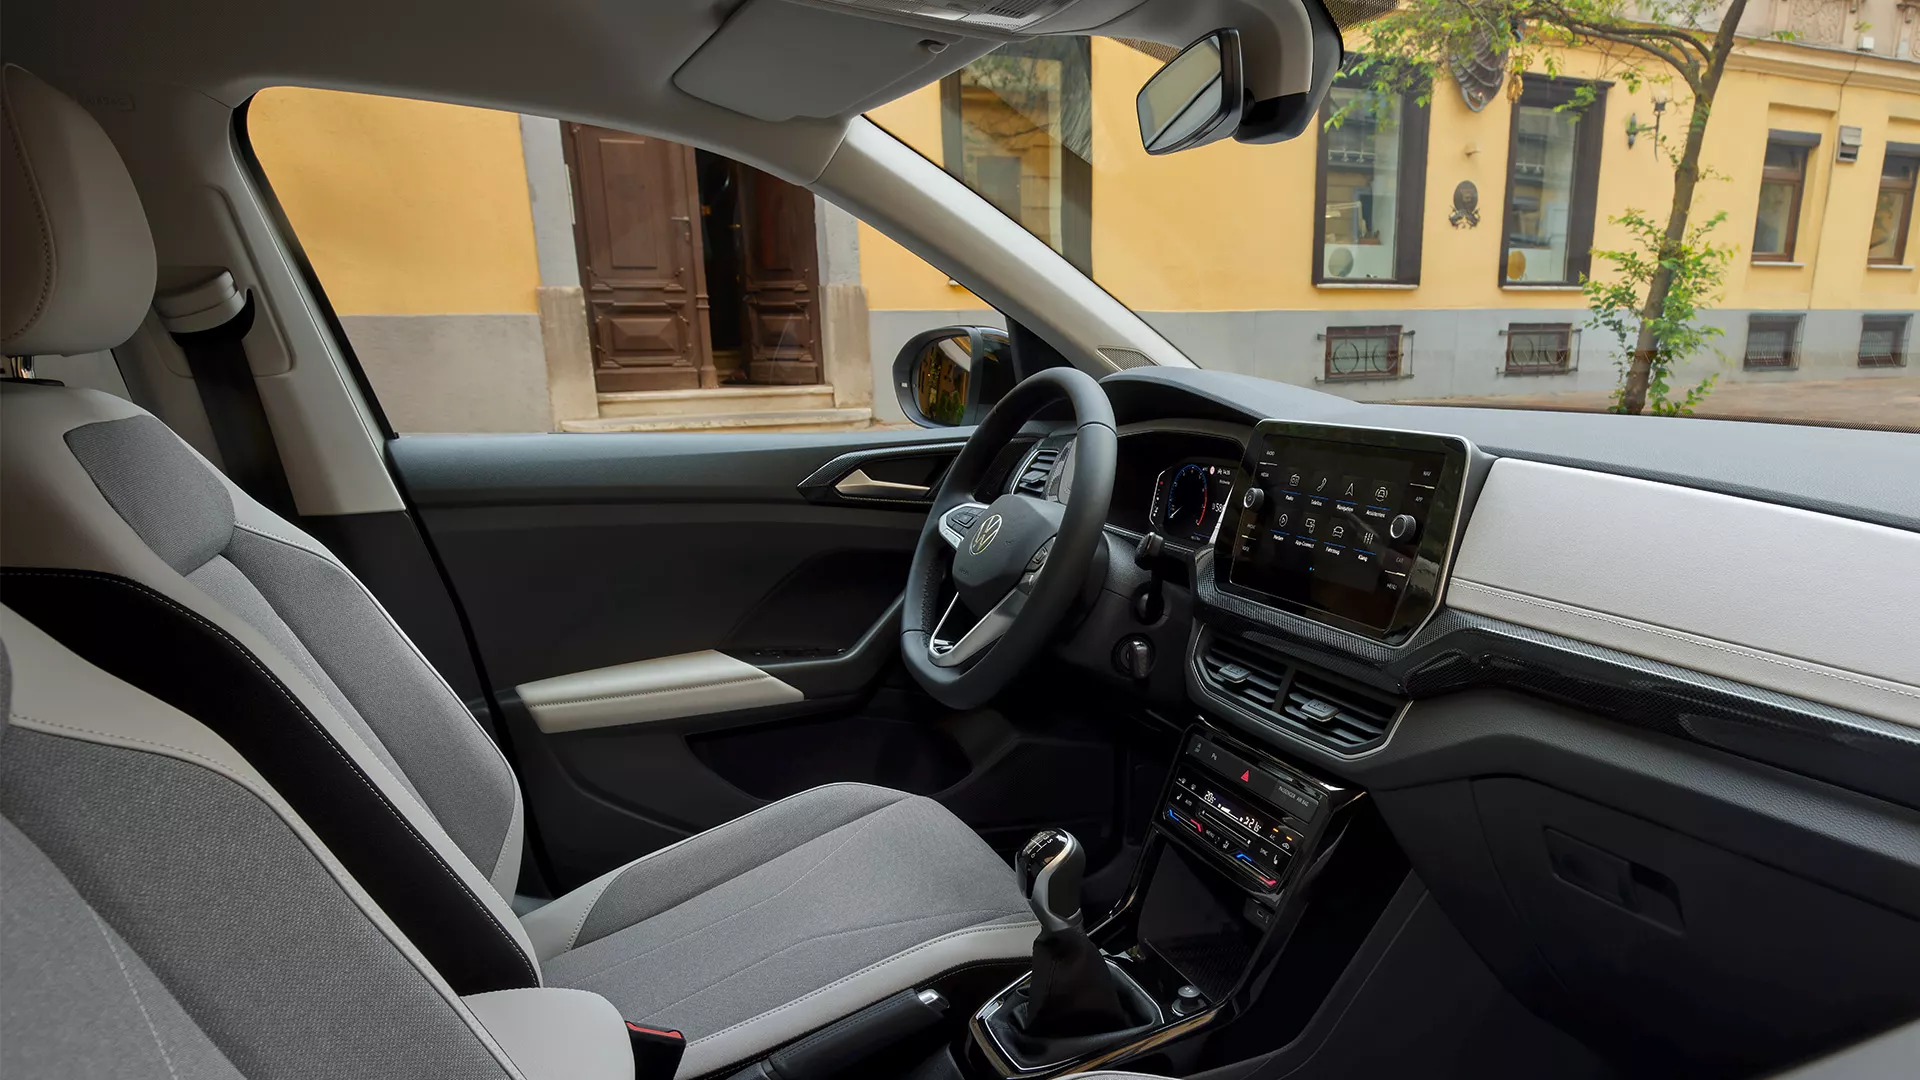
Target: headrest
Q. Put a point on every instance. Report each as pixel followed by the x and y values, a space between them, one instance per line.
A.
pixel 76 257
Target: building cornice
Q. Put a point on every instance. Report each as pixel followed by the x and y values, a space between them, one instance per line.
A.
pixel 1814 64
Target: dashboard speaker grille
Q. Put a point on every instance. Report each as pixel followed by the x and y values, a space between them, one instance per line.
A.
pixel 1308 704
pixel 1123 359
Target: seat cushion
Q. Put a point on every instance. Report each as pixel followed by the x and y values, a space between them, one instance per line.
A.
pixel 779 922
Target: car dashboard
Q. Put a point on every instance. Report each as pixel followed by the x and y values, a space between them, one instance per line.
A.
pixel 1606 709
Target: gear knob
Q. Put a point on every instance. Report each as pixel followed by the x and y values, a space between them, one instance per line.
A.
pixel 1049 869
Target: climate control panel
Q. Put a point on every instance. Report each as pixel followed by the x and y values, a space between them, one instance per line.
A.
pixel 1253 817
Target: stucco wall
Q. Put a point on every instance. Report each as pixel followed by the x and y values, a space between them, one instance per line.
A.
pixel 417 219
pixel 1214 246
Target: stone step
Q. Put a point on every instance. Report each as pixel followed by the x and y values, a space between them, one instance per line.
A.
pixel 828 419
pixel 728 399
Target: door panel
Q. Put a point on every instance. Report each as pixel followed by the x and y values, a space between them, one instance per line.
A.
pixel 635 200
pixel 575 552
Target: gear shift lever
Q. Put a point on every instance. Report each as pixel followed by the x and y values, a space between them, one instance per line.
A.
pixel 1071 992
pixel 1050 868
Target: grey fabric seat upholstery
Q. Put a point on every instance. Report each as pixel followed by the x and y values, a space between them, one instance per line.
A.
pixel 745 937
pixel 165 914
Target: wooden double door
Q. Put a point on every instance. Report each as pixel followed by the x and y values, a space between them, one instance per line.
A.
pixel 698 271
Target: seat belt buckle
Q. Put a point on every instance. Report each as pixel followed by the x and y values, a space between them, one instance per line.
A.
pixel 656 1052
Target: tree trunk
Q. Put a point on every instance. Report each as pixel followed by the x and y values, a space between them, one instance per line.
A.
pixel 1686 177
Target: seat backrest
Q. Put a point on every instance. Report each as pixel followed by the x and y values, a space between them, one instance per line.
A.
pixel 165 914
pixel 134 552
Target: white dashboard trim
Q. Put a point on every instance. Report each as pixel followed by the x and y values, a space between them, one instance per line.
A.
pixel 1820 607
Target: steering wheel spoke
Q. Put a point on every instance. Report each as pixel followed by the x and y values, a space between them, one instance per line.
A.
pixel 955 523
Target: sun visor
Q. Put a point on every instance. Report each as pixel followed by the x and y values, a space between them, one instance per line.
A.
pixel 775 61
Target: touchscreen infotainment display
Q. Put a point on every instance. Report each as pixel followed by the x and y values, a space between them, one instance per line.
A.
pixel 1344 522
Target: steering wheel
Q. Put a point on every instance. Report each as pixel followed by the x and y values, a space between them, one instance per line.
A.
pixel 1017 562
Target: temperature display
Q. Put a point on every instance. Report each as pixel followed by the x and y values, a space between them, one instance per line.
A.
pixel 1252 822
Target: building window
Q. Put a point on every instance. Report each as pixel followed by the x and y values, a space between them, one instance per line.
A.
pixel 1893 210
pixel 1539 348
pixel 1362 352
pixel 1883 340
pixel 1370 188
pixel 1017 127
pixel 1553 169
pixel 1783 179
pixel 1773 341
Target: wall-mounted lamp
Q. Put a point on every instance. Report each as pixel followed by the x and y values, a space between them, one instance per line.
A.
pixel 1635 127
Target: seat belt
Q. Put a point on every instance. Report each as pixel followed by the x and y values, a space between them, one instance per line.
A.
pixel 209 322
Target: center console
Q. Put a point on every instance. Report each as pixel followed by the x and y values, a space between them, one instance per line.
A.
pixel 1235 847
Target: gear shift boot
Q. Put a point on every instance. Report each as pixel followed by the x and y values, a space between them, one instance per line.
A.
pixel 1076 1000
pixel 1033 1050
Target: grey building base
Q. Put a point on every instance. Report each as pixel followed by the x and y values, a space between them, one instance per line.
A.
pixel 455 373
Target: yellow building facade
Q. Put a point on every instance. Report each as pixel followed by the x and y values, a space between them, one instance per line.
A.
pixel 444 237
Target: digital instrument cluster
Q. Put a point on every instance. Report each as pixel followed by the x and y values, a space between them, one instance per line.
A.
pixel 1189 498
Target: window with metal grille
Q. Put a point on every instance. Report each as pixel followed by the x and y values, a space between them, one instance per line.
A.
pixel 1773 341
pixel 1539 348
pixel 1883 340
pixel 1362 352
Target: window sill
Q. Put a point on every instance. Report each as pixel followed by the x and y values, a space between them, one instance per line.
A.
pixel 1908 267
pixel 1534 373
pixel 1543 288
pixel 1778 265
pixel 1366 285
pixel 1342 380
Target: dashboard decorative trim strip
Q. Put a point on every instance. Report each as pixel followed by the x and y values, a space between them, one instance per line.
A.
pixel 1818 607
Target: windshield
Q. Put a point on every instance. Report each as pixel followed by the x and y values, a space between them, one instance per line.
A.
pixel 1485 238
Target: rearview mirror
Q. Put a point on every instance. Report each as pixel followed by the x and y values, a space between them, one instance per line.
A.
pixel 1196 98
pixel 951 376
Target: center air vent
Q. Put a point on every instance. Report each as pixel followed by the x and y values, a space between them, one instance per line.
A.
pixel 1308 704
pixel 1033 479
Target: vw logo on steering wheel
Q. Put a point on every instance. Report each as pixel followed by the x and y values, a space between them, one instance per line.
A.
pixel 989 529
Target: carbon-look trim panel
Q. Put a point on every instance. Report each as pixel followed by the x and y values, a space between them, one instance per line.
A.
pixel 1460 651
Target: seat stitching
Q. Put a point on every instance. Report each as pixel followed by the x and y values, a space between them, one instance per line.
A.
pixel 637 863
pixel 864 822
pixel 290 819
pixel 848 978
pixel 335 564
pixel 769 958
pixel 158 1043
pixel 301 710
pixel 45 230
pixel 327 559
pixel 580 924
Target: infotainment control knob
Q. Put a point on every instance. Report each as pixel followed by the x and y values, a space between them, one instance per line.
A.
pixel 1254 499
pixel 1403 527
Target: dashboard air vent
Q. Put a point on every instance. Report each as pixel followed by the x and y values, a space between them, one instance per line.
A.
pixel 1033 480
pixel 1249 675
pixel 1341 717
pixel 1309 705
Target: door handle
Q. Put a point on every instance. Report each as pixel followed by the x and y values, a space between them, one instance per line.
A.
pixel 858 485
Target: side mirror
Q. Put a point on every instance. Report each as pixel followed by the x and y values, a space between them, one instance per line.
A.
pixel 1196 98
pixel 951 376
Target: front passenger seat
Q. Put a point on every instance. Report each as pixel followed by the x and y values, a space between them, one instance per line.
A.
pixel 129 548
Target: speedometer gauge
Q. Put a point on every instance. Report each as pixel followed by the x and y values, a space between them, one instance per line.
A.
pixel 1187 499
